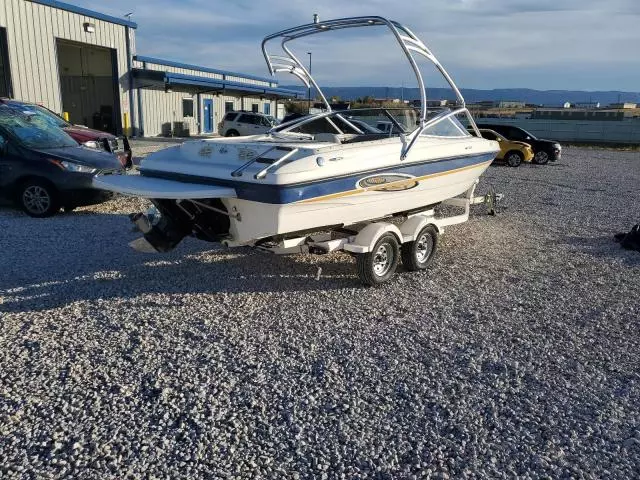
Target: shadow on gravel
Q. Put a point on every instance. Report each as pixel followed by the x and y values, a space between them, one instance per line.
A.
pixel 70 258
pixel 603 247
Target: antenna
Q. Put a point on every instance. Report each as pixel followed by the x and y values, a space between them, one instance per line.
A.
pixel 128 15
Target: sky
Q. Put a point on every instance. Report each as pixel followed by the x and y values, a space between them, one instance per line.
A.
pixel 484 44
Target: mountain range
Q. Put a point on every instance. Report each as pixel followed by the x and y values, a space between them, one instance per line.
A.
pixel 536 97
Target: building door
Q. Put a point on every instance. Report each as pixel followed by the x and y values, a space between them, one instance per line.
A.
pixel 207 121
pixel 207 108
pixel 89 85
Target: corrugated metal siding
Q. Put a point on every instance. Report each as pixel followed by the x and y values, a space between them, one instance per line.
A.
pixel 183 71
pixel 250 81
pixel 200 73
pixel 161 110
pixel 32 30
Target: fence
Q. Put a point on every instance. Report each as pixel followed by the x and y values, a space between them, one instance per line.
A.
pixel 622 132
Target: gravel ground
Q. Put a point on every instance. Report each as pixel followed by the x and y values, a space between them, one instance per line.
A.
pixel 516 355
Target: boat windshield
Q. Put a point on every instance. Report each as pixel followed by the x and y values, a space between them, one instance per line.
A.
pixel 382 122
pixel 33 130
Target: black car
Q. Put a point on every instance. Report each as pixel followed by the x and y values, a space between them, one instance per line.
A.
pixel 43 169
pixel 83 135
pixel 543 150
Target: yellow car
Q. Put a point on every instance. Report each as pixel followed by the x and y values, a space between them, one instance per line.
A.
pixel 511 152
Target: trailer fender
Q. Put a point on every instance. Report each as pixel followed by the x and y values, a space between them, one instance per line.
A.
pixel 369 235
pixel 414 225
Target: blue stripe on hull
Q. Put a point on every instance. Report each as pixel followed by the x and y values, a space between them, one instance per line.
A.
pixel 281 194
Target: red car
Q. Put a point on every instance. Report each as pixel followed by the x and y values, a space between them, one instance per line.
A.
pixel 83 135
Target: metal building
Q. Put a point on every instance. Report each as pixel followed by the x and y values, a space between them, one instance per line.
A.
pixel 83 64
pixel 179 99
pixel 68 59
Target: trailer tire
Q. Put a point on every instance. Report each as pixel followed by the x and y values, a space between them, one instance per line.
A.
pixel 418 255
pixel 379 265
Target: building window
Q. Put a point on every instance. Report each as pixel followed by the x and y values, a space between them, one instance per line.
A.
pixel 228 107
pixel 255 107
pixel 5 73
pixel 187 107
pixel 267 109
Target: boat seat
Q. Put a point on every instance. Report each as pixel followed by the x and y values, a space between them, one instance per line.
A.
pixel 367 137
pixel 327 137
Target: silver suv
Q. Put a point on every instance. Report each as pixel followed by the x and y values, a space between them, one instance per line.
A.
pixel 239 124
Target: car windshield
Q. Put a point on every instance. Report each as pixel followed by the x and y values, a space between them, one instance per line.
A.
pixel 33 130
pixel 49 115
pixel 533 137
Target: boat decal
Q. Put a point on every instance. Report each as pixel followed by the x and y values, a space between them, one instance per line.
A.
pixel 246 153
pixel 206 151
pixel 393 182
pixel 388 186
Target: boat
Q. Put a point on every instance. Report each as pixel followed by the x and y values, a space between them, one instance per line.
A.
pixel 321 172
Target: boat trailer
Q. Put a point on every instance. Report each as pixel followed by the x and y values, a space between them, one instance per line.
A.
pixel 380 245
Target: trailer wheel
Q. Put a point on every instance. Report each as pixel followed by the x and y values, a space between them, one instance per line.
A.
pixel 378 265
pixel 418 255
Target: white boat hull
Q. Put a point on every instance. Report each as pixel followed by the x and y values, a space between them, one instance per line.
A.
pixel 306 194
pixel 260 220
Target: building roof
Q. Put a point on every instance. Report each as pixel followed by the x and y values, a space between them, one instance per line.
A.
pixel 159 79
pixel 86 12
pixel 171 63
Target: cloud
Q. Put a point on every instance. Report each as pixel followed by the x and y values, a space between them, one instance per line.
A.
pixel 483 43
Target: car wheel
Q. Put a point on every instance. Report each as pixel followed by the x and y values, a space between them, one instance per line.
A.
pixel 541 158
pixel 514 159
pixel 38 198
pixel 232 133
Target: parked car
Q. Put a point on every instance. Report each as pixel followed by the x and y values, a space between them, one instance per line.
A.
pixel 43 169
pixel 512 153
pixel 83 135
pixel 240 124
pixel 544 150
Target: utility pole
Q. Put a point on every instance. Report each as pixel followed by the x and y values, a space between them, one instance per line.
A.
pixel 309 90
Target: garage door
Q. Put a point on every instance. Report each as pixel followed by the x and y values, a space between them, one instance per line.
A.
pixel 89 85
